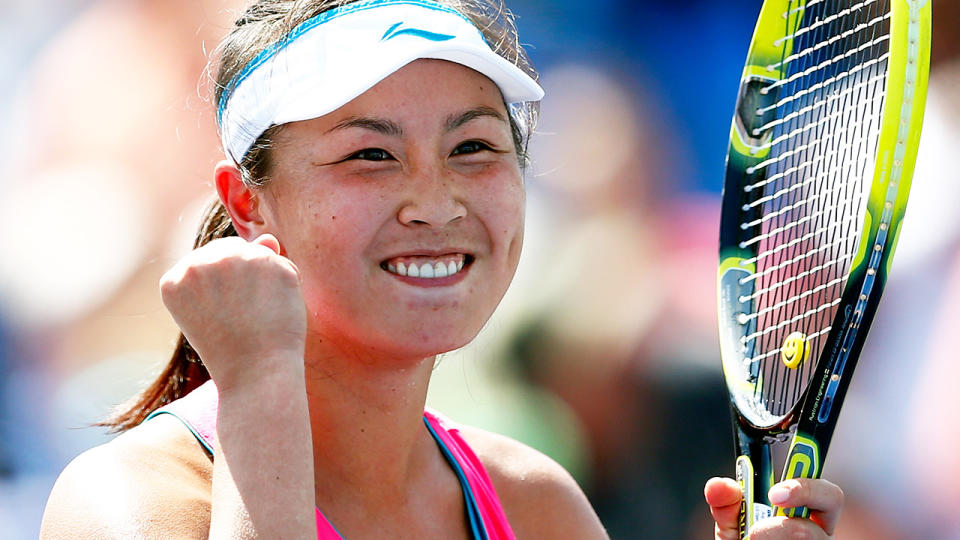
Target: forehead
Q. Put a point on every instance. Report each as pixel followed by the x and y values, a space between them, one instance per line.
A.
pixel 425 98
pixel 426 90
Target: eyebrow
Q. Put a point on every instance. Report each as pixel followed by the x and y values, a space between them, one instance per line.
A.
pixel 456 120
pixel 380 125
pixel 388 127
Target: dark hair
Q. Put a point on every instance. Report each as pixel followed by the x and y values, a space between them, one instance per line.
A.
pixel 264 23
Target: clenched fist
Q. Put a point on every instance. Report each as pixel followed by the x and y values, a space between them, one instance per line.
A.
pixel 239 305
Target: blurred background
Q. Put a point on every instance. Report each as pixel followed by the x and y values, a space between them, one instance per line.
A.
pixel 604 353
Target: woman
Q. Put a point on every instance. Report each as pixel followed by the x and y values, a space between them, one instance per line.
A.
pixel 370 217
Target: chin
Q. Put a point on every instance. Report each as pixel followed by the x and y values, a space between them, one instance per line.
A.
pixel 420 343
pixel 428 346
pixel 405 334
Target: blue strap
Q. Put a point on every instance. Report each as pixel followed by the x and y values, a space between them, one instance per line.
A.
pixel 203 441
pixel 473 511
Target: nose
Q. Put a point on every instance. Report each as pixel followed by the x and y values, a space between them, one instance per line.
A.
pixel 433 201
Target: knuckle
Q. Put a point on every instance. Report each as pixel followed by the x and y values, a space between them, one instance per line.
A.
pixel 167 287
pixel 171 282
pixel 821 494
pixel 836 493
pixel 191 273
pixel 167 279
pixel 800 488
pixel 264 264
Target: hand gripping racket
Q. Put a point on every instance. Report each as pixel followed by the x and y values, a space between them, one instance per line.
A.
pixel 822 150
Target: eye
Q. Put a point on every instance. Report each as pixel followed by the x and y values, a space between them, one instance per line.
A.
pixel 371 154
pixel 470 147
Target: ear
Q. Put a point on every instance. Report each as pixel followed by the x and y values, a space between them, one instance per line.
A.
pixel 241 202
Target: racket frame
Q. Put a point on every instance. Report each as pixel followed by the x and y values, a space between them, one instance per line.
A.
pixel 813 418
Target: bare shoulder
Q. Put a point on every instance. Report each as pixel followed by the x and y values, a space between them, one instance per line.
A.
pixel 150 482
pixel 539 496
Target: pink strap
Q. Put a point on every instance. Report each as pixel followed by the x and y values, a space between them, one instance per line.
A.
pixel 199 410
pixel 494 518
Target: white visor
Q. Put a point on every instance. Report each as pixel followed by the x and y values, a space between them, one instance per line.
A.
pixel 334 57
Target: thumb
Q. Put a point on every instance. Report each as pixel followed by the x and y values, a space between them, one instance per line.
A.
pixel 723 495
pixel 268 240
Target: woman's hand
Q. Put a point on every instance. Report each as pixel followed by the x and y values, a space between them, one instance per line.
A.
pixel 239 305
pixel 824 499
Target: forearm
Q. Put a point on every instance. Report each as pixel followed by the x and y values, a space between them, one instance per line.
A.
pixel 263 471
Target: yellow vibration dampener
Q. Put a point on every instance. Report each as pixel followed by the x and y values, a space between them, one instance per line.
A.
pixel 795 350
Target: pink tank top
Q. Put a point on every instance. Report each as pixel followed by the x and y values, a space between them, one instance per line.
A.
pixel 198 411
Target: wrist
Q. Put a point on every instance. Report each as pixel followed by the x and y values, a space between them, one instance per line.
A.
pixel 269 402
pixel 262 373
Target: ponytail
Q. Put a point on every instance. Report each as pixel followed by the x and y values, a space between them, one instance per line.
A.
pixel 185 371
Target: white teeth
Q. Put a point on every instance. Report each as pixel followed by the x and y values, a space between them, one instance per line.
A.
pixel 429 270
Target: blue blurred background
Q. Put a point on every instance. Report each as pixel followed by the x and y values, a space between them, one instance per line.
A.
pixel 604 353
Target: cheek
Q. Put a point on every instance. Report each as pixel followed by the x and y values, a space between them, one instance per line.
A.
pixel 328 253
pixel 508 208
pixel 500 207
pixel 321 231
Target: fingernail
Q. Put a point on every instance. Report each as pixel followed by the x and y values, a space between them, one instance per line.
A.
pixel 778 494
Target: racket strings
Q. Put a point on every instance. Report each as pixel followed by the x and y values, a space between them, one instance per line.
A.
pixel 811 308
pixel 819 86
pixel 814 180
pixel 808 109
pixel 775 352
pixel 822 313
pixel 839 260
pixel 822 22
pixel 770 269
pixel 828 42
pixel 786 228
pixel 800 296
pixel 839 58
pixel 793 170
pixel 788 208
pixel 808 235
pixel 772 394
pixel 787 136
pixel 810 191
pixel 788 322
pixel 801 7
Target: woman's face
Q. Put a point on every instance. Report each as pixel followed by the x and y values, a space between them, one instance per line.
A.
pixel 403 210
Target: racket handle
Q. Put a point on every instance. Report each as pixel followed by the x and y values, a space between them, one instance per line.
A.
pixel 799 511
pixel 803 461
pixel 754 483
pixel 755 476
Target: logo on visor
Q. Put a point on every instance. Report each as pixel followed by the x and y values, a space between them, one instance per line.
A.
pixel 393 32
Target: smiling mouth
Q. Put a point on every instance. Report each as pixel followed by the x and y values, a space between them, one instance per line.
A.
pixel 428 267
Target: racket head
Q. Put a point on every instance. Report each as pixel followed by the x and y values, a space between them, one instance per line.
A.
pixel 821 154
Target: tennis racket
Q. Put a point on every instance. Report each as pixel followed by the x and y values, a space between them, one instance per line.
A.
pixel 822 149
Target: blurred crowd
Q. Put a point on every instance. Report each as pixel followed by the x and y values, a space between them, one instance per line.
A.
pixel 604 353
